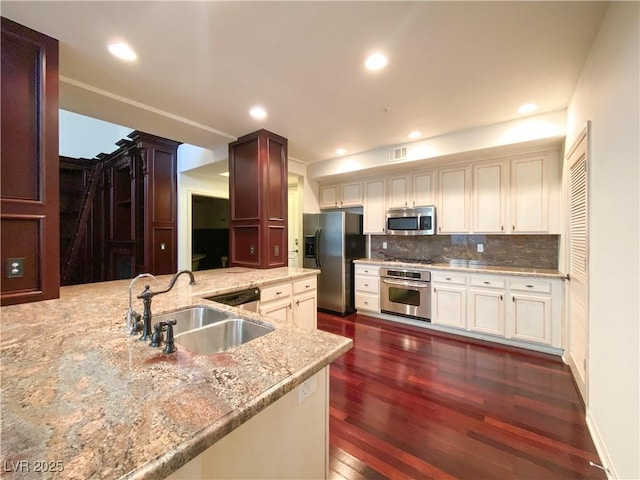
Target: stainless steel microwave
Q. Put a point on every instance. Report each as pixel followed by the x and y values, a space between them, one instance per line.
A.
pixel 411 221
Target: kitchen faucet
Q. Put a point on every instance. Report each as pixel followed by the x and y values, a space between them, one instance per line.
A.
pixel 131 314
pixel 147 295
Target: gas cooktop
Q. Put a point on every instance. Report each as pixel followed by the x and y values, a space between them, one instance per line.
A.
pixel 424 261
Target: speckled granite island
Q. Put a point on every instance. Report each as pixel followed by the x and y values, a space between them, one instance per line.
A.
pixel 81 398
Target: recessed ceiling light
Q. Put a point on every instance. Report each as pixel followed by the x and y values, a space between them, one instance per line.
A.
pixel 258 112
pixel 415 134
pixel 122 51
pixel 527 108
pixel 375 61
pixel 341 151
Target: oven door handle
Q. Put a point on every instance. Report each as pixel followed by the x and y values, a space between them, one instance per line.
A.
pixel 403 283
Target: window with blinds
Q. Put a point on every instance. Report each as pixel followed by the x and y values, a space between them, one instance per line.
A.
pixel 578 220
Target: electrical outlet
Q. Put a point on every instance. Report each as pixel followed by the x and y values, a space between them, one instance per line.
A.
pixel 252 249
pixel 306 388
pixel 480 247
pixel 15 267
pixel 276 251
pixel 384 245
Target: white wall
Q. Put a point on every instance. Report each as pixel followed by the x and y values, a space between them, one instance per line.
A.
pixel 549 125
pixel 191 157
pixel 86 137
pixel 608 95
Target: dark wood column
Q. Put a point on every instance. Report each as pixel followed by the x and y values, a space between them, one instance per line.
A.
pixel 29 165
pixel 258 200
pixel 159 225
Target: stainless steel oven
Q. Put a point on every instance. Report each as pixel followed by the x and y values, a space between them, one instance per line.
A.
pixel 406 292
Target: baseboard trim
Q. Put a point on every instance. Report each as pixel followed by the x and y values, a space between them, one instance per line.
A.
pixel 601 448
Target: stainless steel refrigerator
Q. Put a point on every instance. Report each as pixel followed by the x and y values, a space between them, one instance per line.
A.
pixel 332 240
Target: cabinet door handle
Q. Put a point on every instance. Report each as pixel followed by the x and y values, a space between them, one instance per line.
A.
pixel 513 299
pixel 500 297
pixel 487 283
pixel 366 284
pixel 278 293
pixel 298 302
pixel 448 278
pixel 289 306
pixel 529 286
pixel 365 302
pixel 434 289
pixel 502 228
pixel 513 227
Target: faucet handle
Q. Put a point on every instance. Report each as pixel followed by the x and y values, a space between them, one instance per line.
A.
pixel 156 337
pixel 136 323
pixel 169 346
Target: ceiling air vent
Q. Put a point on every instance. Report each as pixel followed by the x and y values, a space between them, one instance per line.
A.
pixel 396 154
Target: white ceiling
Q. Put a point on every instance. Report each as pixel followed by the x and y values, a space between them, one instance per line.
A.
pixel 202 65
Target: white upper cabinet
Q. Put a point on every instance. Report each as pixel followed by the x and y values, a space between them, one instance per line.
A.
pixel 422 183
pixel 415 190
pixel 534 194
pixel 342 195
pixel 374 208
pixel 489 202
pixel 400 191
pixel 454 186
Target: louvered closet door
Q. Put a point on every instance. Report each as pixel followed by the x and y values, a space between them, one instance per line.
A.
pixel 578 261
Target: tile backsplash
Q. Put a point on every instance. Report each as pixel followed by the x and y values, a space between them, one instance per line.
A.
pixel 527 251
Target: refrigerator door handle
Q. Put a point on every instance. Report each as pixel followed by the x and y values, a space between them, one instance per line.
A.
pixel 318 230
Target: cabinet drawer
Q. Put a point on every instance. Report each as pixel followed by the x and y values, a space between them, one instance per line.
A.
pixel 488 281
pixel 531 285
pixel 367 302
pixel 277 291
pixel 449 277
pixel 367 270
pixel 368 284
pixel 304 285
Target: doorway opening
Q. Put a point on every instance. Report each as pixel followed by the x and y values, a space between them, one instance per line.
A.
pixel 209 232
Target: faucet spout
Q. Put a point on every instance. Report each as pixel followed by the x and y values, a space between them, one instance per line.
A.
pixel 174 279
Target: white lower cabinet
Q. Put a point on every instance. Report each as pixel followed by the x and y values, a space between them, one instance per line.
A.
pixel 449 299
pixel 291 302
pixel 277 309
pixel 305 303
pixel 534 311
pixel 367 288
pixel 486 310
pixel 524 310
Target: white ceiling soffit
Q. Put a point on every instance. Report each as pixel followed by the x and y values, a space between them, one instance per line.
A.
pixel 202 65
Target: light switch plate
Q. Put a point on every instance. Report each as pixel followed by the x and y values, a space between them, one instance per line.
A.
pixel 15 267
pixel 480 247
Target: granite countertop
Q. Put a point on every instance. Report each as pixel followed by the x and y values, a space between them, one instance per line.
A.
pixel 80 392
pixel 470 266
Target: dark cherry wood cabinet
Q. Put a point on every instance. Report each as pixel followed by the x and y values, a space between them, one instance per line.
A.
pixel 130 226
pixel 258 200
pixel 140 197
pixel 29 213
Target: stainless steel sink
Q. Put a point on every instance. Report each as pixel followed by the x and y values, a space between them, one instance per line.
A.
pixel 222 335
pixel 191 318
pixel 203 329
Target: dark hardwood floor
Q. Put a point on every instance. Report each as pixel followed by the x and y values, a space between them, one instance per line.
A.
pixel 410 404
